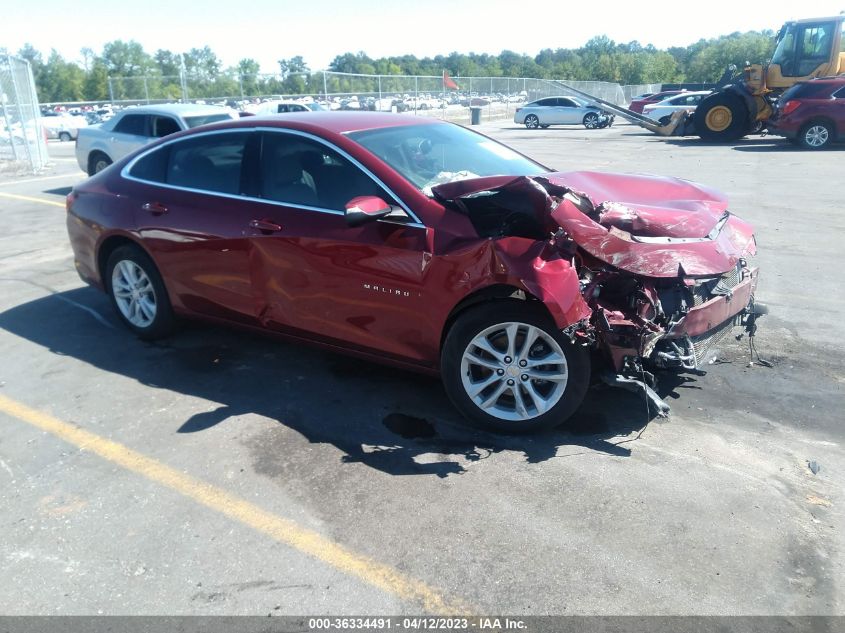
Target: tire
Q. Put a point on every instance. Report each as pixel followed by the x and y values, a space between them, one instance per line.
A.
pixel 815 135
pixel 64 137
pixel 721 117
pixel 138 294
pixel 544 403
pixel 532 122
pixel 591 120
pixel 97 162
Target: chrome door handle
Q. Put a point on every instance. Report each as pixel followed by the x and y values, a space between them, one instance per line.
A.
pixel 265 226
pixel 156 208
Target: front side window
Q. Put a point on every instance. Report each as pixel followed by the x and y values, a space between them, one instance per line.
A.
pixel 301 171
pixel 431 154
pixel 135 124
pixel 208 163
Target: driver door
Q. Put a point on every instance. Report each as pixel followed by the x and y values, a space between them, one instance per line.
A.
pixel 313 275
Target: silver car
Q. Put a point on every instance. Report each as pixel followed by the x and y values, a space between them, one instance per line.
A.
pixel 98 146
pixel 557 111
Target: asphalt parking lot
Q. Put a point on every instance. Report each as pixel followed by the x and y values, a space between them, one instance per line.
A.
pixel 219 472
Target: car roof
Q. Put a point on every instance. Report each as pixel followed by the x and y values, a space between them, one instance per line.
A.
pixel 179 109
pixel 334 122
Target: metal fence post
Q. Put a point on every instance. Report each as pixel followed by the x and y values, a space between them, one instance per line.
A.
pixel 27 148
pixel 111 92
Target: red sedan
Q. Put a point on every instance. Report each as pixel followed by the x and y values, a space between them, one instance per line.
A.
pixel 421 244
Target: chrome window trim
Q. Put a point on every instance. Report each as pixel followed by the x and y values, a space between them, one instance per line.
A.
pixel 124 173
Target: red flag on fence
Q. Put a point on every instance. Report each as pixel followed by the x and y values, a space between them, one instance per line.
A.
pixel 447 81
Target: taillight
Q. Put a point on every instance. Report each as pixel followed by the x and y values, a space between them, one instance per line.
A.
pixel 790 106
pixel 69 200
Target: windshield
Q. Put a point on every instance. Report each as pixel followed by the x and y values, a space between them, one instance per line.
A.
pixel 429 155
pixel 785 49
pixel 196 121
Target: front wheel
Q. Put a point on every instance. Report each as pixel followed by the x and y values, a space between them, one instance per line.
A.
pixel 721 116
pixel 532 122
pixel 138 294
pixel 591 120
pixel 815 135
pixel 507 366
pixel 64 137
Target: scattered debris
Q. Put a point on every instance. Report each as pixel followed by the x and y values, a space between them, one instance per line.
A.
pixel 814 467
pixel 818 501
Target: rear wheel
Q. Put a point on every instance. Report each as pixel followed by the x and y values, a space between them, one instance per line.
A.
pixel 97 163
pixel 64 137
pixel 721 117
pixel 138 293
pixel 815 135
pixel 532 122
pixel 507 366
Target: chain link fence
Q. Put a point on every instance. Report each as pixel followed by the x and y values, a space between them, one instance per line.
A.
pixel 22 141
pixel 424 95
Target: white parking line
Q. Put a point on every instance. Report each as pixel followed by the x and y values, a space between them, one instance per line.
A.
pixel 21 182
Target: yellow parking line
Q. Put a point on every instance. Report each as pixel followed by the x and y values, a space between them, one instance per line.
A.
pixel 283 530
pixel 15 196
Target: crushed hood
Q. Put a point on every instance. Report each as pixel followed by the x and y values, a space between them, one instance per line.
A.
pixel 647 225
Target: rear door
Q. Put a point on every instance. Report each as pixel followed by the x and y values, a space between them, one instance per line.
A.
pixel 188 198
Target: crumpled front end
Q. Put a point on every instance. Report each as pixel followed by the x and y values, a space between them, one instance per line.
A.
pixel 662 264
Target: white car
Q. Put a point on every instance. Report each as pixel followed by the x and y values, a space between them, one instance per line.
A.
pixel 64 127
pixel 281 107
pixel 662 110
pixel 98 146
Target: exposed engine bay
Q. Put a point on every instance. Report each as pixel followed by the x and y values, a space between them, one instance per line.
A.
pixel 663 266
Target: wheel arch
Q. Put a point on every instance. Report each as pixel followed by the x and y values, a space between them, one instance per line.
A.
pixel 486 295
pixel 822 118
pixel 108 246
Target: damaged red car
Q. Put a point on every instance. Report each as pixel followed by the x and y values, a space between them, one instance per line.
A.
pixel 420 244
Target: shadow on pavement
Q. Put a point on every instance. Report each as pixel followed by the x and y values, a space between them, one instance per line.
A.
pixel 380 416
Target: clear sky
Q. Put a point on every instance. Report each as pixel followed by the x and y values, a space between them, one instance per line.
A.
pixel 318 30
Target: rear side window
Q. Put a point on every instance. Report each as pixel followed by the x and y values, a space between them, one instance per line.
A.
pixel 839 94
pixel 164 125
pixel 807 90
pixel 135 124
pixel 153 166
pixel 208 163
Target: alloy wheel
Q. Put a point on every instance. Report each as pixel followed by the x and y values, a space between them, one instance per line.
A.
pixel 133 293
pixel 514 371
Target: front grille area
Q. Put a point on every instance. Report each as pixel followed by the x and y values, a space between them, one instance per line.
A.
pixel 703 344
pixel 705 290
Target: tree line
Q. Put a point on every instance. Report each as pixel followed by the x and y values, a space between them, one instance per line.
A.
pixel 158 75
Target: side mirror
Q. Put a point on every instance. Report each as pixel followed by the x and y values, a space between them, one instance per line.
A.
pixel 365 209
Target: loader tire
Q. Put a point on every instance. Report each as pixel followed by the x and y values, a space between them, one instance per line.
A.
pixel 721 117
